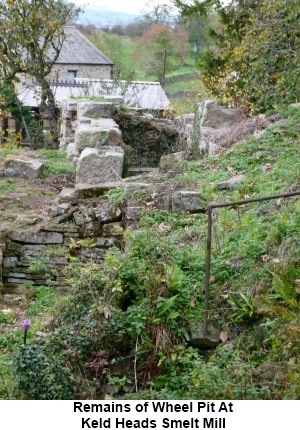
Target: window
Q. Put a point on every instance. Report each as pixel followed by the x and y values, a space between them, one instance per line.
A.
pixel 71 76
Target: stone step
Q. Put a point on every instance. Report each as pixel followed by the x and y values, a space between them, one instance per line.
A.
pixel 134 171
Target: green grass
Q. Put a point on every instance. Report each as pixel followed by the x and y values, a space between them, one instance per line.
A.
pixel 6 187
pixel 254 291
pixel 56 162
pixel 254 267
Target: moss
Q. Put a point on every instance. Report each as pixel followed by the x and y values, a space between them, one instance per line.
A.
pixel 148 139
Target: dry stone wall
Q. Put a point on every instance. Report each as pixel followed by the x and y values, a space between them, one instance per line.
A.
pixel 96 130
pixel 41 256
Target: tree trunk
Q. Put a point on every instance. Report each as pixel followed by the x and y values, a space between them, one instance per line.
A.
pixel 49 108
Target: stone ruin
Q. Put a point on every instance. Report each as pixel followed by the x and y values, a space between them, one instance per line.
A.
pixel 92 135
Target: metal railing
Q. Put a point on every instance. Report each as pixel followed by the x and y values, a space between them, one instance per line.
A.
pixel 210 208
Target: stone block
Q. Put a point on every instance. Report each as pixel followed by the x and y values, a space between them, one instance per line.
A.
pixel 188 201
pixel 99 133
pixel 107 242
pixel 66 229
pixel 10 262
pixel 94 109
pixel 95 190
pixel 71 150
pixel 100 166
pixel 169 161
pixel 213 115
pixel 197 339
pixel 89 137
pixel 93 254
pixel 112 229
pixel 33 249
pixel 36 237
pixel 17 275
pixel 134 213
pixel 68 195
pixel 130 188
pixel 92 228
pixel 231 182
pixel 17 166
pixel 84 215
pixel 106 211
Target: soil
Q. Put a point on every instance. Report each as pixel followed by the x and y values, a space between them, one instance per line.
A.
pixel 25 202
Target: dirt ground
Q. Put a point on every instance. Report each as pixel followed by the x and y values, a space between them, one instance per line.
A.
pixel 26 202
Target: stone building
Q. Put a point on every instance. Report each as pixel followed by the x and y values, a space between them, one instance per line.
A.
pixel 78 58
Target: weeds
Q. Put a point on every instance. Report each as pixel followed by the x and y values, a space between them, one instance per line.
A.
pixel 136 307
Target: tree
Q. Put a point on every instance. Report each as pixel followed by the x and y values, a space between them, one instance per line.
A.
pixel 31 37
pixel 114 46
pixel 156 12
pixel 255 61
pixel 160 48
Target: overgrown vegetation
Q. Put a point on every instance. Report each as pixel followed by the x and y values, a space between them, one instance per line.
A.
pixel 254 62
pixel 130 321
pixel 56 162
pixel 127 322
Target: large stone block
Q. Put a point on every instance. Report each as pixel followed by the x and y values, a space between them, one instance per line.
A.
pixel 103 132
pixel 188 201
pixel 94 109
pixel 215 116
pixel 88 136
pixel 21 166
pixel 100 166
pixel 95 190
pixel 36 237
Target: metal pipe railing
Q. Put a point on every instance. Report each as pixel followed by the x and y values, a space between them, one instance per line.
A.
pixel 210 208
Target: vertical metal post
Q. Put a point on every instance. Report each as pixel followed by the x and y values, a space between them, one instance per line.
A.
pixel 207 269
pixel 164 69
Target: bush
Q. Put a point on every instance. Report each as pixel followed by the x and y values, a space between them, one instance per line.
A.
pixel 42 376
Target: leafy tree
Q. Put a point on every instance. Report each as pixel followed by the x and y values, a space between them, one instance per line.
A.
pixel 114 46
pixel 160 48
pixel 255 61
pixel 198 29
pixel 31 37
pixel 9 102
pixel 156 12
pixel 135 28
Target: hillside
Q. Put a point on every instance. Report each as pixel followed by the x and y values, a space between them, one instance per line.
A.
pixel 131 326
pixel 103 17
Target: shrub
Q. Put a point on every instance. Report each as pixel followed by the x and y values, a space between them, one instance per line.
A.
pixel 42 376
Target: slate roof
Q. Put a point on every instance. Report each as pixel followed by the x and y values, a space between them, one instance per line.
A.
pixel 77 49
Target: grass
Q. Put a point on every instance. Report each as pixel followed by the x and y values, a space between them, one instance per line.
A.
pixel 254 291
pixel 255 263
pixel 6 187
pixel 56 162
